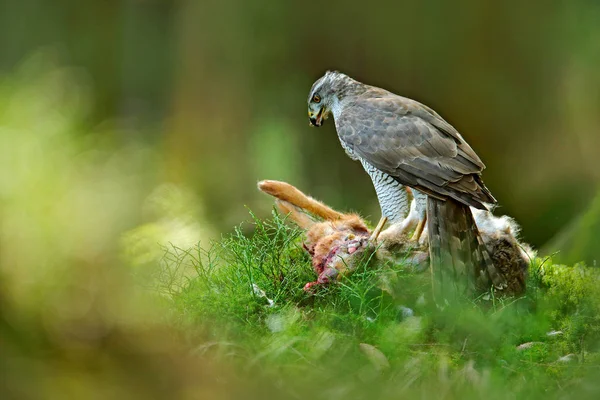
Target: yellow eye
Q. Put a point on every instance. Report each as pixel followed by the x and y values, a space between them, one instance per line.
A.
pixel 316 98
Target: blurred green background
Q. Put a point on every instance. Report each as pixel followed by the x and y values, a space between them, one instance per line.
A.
pixel 130 124
pixel 218 90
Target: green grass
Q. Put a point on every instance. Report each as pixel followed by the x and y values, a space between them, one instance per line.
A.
pixel 81 215
pixel 359 339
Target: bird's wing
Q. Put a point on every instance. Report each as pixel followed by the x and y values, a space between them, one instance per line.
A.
pixel 410 142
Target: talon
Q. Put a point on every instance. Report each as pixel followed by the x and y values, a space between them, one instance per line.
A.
pixel 378 229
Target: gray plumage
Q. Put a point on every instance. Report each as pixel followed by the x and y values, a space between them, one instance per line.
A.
pixel 408 141
pixel 412 143
pixel 391 194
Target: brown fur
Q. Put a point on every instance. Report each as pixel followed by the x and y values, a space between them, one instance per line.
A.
pixel 285 191
pixel 508 258
pixel 336 240
pixel 395 247
pixel 328 241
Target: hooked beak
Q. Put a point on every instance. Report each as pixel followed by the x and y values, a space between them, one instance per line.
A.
pixel 316 120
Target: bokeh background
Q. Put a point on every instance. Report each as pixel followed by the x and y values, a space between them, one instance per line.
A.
pixel 218 90
pixel 128 124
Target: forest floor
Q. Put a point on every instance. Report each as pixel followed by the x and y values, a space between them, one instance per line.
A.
pixel 374 335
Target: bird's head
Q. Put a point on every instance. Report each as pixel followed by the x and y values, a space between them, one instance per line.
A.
pixel 325 96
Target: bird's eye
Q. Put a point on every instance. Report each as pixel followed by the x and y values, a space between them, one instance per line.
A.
pixel 316 98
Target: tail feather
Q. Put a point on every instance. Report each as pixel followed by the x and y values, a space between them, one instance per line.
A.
pixel 458 256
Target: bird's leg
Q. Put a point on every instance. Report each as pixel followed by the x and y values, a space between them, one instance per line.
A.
pixel 378 229
pixel 421 214
pixel 419 229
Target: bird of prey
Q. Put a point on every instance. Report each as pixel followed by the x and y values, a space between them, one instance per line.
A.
pixel 394 202
pixel 400 141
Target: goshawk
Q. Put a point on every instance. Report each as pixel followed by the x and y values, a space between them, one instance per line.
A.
pixel 400 141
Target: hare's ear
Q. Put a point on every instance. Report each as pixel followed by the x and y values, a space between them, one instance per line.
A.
pixel 277 189
pixel 285 191
pixel 300 218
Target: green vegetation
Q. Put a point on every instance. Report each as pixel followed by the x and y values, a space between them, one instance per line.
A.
pixel 374 335
pixel 91 308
